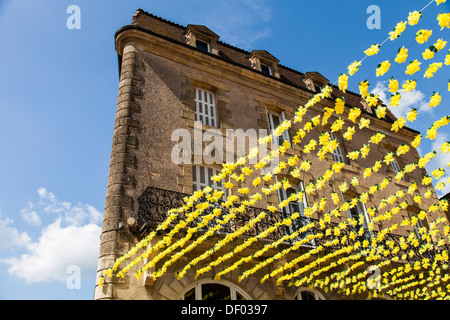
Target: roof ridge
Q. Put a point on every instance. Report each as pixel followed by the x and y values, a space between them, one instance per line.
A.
pixel 140 10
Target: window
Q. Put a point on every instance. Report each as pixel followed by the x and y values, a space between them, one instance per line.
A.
pixel 417 226
pixel 396 167
pixel 205 109
pixel 308 294
pixel 337 153
pixel 293 207
pixel 266 69
pixel 201 178
pixel 358 212
pixel 213 290
pixel 202 45
pixel 275 119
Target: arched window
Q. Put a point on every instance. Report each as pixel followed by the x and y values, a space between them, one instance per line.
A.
pixel 214 290
pixel 308 294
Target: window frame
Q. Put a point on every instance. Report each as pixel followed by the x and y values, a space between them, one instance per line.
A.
pixel 317 294
pixel 234 289
pixel 200 102
pixel 337 154
pixel 360 207
pixel 282 117
pixel 287 211
pixel 208 46
pixel 418 225
pixel 196 178
pixel 269 69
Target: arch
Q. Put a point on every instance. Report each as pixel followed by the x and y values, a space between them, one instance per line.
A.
pixel 196 291
pixel 304 293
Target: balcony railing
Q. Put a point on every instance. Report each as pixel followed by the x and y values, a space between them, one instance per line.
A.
pixel 154 204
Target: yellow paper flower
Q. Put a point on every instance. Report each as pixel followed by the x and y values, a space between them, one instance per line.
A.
pixel 388 158
pixel 417 140
pixel 439 44
pixel 365 151
pixel 374 49
pixel 353 155
pixel 244 190
pixel 438 2
pixel 348 135
pixel 337 125
pixel 413 17
pixel 427 180
pixel 413 67
pixel 393 85
pixel 401 55
pixel 398 124
pixel 395 99
pixel 409 85
pixel 398 30
pixel 354 114
pixel 343 82
pixel 372 100
pixel 428 54
pixel 432 69
pixel 435 99
pixel 364 123
pixel 364 88
pixel 444 20
pixel 228 185
pixel 305 165
pixel 423 35
pixel 377 137
pixel 339 105
pixel 353 67
pixel 380 111
pixel 447 59
pixel 438 173
pixel 445 148
pixel 383 68
pixel 335 198
pixel 402 149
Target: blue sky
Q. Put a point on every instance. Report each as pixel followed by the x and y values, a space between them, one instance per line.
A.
pixel 58 90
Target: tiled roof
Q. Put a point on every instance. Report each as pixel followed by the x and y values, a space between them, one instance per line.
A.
pixel 227 52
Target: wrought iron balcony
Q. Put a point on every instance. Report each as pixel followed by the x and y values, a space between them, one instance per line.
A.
pixel 154 204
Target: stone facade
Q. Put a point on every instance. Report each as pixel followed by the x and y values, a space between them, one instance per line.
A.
pixel 159 71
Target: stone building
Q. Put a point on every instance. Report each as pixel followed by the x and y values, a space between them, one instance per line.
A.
pixel 172 76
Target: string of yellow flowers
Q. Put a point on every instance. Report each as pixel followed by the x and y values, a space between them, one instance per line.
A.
pixel 395 271
pixel 251 240
pixel 375 249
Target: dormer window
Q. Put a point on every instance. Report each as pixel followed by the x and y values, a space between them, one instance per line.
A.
pixel 315 81
pixel 203 45
pixel 202 38
pixel 266 69
pixel 264 62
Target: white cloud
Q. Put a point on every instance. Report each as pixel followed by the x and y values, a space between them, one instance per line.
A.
pixel 411 99
pixel 78 214
pixel 10 237
pixel 72 238
pixel 57 249
pixel 31 217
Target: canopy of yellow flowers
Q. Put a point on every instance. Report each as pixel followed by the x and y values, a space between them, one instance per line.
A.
pixel 426 278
